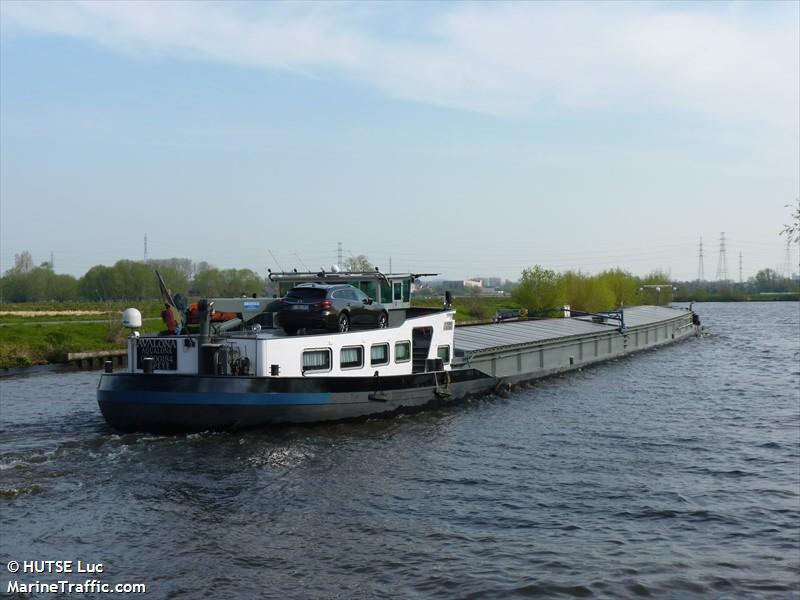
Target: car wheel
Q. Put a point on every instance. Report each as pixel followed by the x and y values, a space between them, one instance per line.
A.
pixel 344 323
pixel 383 321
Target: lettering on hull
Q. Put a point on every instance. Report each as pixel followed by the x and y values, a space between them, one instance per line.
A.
pixel 164 353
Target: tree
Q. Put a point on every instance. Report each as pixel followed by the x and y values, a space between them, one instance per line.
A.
pixel 99 283
pixel 358 263
pixel 624 286
pixel 23 262
pixel 590 294
pixel 184 266
pixel 228 283
pixel 767 280
pixel 792 230
pixel 39 284
pixel 539 290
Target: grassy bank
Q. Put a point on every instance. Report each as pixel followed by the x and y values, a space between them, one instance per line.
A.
pixel 41 333
pixel 24 344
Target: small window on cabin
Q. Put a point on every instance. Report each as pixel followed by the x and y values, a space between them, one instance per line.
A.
pixel 402 352
pixel 317 360
pixel 407 290
pixel 443 352
pixel 379 355
pixel 398 291
pixel 352 357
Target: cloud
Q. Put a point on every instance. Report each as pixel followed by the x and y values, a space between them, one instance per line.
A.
pixel 719 61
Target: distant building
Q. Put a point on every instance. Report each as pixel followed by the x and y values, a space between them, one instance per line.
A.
pixel 473 283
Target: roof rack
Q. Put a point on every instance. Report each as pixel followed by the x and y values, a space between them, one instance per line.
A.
pixel 342 276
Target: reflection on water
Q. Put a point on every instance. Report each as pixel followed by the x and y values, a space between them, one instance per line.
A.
pixel 673 473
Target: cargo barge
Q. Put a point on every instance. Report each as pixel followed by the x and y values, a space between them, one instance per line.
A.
pixel 219 379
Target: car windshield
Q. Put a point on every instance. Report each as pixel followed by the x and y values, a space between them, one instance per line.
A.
pixel 306 294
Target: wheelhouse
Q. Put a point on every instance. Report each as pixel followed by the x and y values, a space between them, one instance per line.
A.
pixel 393 290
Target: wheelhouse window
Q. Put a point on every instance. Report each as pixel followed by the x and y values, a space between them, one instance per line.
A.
pixel 386 293
pixel 352 357
pixel 443 352
pixel 317 360
pixel 379 355
pixel 369 288
pixel 402 352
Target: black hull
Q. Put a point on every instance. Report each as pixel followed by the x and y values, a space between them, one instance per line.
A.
pixel 168 403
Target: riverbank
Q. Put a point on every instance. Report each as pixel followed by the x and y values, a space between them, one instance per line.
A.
pixel 45 333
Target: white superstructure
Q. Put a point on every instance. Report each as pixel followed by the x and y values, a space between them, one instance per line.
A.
pixel 397 350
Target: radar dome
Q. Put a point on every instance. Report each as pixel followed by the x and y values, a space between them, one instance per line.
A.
pixel 131 317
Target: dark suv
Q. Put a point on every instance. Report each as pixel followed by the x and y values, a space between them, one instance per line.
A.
pixel 331 307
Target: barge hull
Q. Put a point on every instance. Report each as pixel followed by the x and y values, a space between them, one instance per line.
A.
pixel 523 351
pixel 135 402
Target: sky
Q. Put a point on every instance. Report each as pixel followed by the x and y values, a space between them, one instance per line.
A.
pixel 466 139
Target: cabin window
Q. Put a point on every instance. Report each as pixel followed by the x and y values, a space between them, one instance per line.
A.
pixel 407 290
pixel 379 355
pixel 317 360
pixel 398 291
pixel 443 352
pixel 402 352
pixel 352 357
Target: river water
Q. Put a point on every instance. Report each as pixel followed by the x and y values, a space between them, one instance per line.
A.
pixel 672 474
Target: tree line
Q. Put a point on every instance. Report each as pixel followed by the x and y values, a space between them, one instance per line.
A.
pixel 125 280
pixel 539 290
pixel 542 290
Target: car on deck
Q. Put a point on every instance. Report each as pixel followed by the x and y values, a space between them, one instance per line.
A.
pixel 333 307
